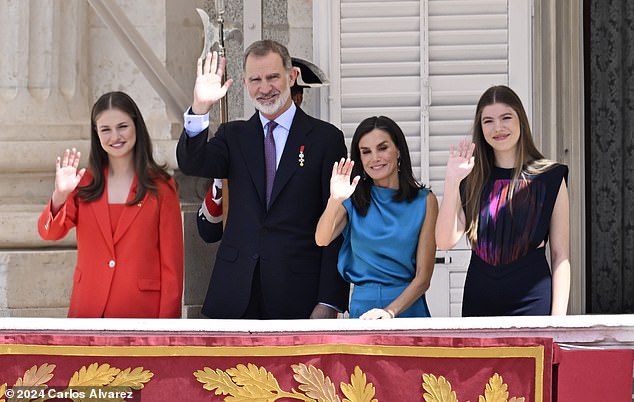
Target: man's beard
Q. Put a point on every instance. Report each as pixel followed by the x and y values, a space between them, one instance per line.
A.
pixel 272 108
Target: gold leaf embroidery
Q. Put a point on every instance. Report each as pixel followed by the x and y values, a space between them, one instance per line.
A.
pixel 34 379
pixel 94 375
pixel 36 376
pixel 103 375
pixel 245 383
pixel 216 380
pixel 254 380
pixel 495 390
pixel 314 383
pixel 358 390
pixel 134 379
pixel 252 383
pixel 438 389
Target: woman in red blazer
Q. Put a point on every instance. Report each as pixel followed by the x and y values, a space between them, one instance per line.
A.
pixel 127 217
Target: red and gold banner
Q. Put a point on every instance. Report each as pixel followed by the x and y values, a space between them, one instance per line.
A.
pixel 302 367
pixel 592 374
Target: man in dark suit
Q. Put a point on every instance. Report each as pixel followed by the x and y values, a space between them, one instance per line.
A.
pixel 268 265
pixel 210 214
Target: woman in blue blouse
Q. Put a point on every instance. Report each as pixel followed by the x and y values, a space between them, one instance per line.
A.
pixel 387 219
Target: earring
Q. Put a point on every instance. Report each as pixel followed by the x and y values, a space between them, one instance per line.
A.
pixel 363 176
pixel 398 164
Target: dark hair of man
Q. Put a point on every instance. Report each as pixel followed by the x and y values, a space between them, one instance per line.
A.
pixel 146 169
pixel 263 47
pixel 408 186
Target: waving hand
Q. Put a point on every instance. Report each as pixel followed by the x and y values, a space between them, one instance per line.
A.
pixel 334 218
pixel 340 186
pixel 209 88
pixel 461 161
pixel 67 176
pixel 450 224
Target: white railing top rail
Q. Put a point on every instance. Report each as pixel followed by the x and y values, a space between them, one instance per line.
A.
pixel 580 330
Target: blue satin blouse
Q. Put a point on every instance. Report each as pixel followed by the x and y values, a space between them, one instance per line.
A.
pixel 380 248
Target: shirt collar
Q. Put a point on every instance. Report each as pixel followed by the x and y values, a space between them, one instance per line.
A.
pixel 285 119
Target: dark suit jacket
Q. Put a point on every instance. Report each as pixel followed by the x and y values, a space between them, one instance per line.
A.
pixel 296 274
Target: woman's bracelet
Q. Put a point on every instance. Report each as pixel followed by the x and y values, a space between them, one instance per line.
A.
pixel 391 314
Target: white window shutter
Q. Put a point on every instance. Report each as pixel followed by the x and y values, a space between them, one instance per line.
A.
pixel 379 69
pixel 468 52
pixel 425 64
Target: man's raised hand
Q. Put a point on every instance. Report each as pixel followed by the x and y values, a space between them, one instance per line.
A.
pixel 209 88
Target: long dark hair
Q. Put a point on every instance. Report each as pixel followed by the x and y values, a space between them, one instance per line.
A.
pixel 408 186
pixel 528 159
pixel 145 167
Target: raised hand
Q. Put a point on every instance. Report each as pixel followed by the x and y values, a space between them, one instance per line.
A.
pixel 66 175
pixel 340 186
pixel 209 88
pixel 461 161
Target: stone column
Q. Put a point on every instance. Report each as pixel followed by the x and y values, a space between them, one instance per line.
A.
pixel 44 99
pixel 57 58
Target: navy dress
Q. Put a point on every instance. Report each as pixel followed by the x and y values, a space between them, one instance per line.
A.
pixel 378 254
pixel 508 273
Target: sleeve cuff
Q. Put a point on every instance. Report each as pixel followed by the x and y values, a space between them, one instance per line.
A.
pixel 337 309
pixel 195 123
pixel 211 208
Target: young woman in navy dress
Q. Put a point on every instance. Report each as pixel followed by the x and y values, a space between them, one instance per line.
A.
pixel 510 201
pixel 387 219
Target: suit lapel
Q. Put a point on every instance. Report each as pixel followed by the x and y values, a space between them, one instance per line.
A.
pixel 102 214
pixel 129 212
pixel 289 163
pixel 252 145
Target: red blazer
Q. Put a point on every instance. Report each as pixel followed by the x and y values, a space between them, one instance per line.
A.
pixel 138 271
